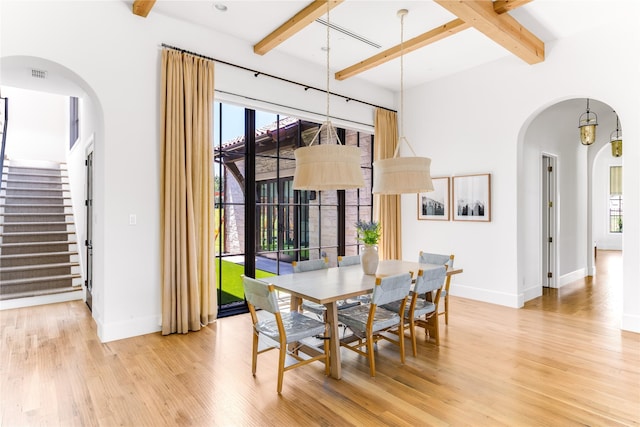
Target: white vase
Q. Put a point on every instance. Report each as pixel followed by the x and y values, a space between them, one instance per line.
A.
pixel 369 259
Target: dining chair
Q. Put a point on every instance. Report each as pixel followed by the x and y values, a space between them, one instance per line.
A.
pixel 344 261
pixel 447 260
pixel 282 330
pixel 311 265
pixel 427 282
pixel 369 321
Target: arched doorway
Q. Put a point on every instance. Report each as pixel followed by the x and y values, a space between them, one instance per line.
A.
pixel 563 204
pixel 43 76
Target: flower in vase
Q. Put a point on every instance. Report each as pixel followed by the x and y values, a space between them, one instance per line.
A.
pixel 368 232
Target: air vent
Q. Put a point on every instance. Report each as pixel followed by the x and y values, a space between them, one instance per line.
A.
pixel 349 33
pixel 38 74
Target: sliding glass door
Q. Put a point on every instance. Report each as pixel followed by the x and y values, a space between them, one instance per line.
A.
pixel 263 224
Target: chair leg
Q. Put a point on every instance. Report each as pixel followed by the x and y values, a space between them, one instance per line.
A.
pixel 283 354
pixel 372 358
pixel 327 353
pixel 412 331
pixel 401 336
pixel 432 327
pixel 254 360
pixel 446 309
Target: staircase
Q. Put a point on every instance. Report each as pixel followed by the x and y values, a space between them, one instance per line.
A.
pixel 38 247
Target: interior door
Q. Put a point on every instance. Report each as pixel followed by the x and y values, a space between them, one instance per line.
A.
pixel 548 221
pixel 89 236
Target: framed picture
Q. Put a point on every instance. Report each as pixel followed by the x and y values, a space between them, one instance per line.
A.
pixel 472 198
pixel 434 205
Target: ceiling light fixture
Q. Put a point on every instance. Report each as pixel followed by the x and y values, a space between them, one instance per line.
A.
pixel 587 124
pixel 398 175
pixel 329 166
pixel 616 140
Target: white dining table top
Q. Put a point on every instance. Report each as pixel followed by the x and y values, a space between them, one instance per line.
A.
pixel 331 284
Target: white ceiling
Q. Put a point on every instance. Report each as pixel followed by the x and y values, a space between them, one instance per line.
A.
pixel 377 21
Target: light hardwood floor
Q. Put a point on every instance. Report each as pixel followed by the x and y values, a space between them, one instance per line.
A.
pixel 559 361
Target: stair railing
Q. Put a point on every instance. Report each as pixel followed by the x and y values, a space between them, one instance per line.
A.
pixel 4 116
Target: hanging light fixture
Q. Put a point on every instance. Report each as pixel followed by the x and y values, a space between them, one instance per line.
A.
pixel 327 166
pixel 398 175
pixel 616 140
pixel 587 124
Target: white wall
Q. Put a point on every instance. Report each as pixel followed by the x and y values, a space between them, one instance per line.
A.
pixel 494 107
pixel 38 125
pixel 116 55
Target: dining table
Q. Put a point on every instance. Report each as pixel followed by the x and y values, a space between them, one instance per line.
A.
pixel 329 285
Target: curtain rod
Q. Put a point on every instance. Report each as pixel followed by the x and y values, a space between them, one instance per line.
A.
pixel 257 73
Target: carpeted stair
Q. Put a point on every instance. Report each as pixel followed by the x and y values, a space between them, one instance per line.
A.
pixel 38 247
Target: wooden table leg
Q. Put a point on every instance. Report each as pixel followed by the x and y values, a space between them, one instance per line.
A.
pixel 334 343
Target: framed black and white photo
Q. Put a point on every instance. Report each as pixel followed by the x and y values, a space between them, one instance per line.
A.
pixel 472 197
pixel 434 205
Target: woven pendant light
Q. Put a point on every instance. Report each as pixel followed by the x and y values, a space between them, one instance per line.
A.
pixel 327 166
pixel 398 175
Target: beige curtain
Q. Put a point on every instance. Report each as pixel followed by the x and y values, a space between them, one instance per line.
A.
pixel 187 235
pixel 387 207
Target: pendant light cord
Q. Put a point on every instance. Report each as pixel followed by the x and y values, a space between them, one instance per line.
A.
pixel 327 125
pixel 401 14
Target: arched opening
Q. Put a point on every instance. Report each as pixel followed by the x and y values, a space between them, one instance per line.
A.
pixel 33 78
pixel 561 187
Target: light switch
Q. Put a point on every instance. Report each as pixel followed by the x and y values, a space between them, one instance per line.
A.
pixel 132 219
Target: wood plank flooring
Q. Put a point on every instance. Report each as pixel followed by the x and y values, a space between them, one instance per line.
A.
pixel 559 361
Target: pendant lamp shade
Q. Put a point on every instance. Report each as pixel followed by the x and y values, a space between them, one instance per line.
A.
pixel 587 124
pixel 616 140
pixel 399 175
pixel 327 166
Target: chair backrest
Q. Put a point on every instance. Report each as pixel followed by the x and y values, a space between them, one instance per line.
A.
pixel 391 288
pixel 343 261
pixel 310 265
pixel 429 258
pixel 260 294
pixel 430 280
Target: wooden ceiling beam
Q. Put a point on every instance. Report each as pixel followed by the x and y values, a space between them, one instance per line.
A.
pixel 504 6
pixel 502 29
pixel 299 21
pixel 143 7
pixel 439 33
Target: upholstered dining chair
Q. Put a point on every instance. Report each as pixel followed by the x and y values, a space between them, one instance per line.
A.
pixel 311 265
pixel 344 261
pixel 429 281
pixel 447 260
pixel 369 321
pixel 282 329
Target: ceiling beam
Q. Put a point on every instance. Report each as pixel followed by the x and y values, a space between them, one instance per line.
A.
pixel 299 21
pixel 439 33
pixel 142 7
pixel 502 29
pixel 504 6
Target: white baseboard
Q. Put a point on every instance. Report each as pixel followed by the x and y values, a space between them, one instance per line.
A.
pixel 486 295
pixel 126 329
pixel 630 322
pixel 565 279
pixel 42 300
pixel 531 293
